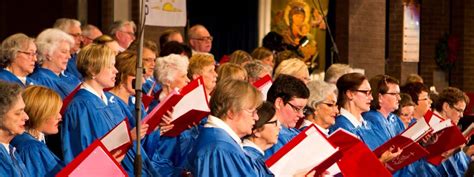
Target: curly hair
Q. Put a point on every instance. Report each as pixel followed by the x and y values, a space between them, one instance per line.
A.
pixel 11 46
pixel 9 95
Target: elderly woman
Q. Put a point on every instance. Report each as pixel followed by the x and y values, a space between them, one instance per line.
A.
pixel 354 98
pixel 17 58
pixel 450 104
pixel 322 99
pixel 203 65
pixel 92 112
pixel 257 70
pixel 293 67
pixel 231 71
pixel 42 106
pixel 12 123
pixel 218 150
pixel 264 135
pixel 53 54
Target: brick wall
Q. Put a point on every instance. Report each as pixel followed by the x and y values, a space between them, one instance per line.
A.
pixel 367 36
pixel 468 50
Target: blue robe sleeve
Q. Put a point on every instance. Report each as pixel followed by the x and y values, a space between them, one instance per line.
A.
pixel 72 67
pixel 38 159
pixel 11 165
pixel 258 162
pixel 222 162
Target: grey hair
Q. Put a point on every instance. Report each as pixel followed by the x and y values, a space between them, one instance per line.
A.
pixel 118 25
pixel 335 71
pixel 64 24
pixel 318 91
pixel 49 40
pixel 193 30
pixel 167 67
pixel 11 45
pixel 255 68
pixel 86 30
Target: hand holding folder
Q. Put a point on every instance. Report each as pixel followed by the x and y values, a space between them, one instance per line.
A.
pixel 118 139
pixel 189 106
pixel 310 141
pixel 95 160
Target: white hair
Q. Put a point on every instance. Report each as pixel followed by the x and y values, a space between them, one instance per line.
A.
pixel 318 91
pixel 49 40
pixel 65 24
pixel 167 67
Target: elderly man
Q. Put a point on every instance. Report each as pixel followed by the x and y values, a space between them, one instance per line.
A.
pixel 124 33
pixel 89 33
pixel 199 39
pixel 73 28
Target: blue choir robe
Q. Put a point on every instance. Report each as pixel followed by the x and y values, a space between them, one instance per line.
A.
pixel 11 164
pixel 88 118
pixel 10 77
pixel 148 84
pixel 63 84
pixel 217 154
pixel 131 108
pixel 454 166
pixel 285 136
pixel 72 67
pixel 38 159
pixel 258 161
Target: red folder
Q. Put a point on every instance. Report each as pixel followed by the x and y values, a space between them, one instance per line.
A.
pixel 357 159
pixel 408 142
pixel 469 131
pixel 189 106
pixel 146 100
pixel 264 84
pixel 95 160
pixel 310 141
pixel 69 98
pixel 118 138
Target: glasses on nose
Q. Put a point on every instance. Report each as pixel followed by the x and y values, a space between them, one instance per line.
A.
pixel 76 35
pixel 332 105
pixel 423 99
pixel 30 54
pixel 296 109
pixel 457 109
pixel 129 33
pixel 393 93
pixel 366 92
pixel 206 38
pixel 273 122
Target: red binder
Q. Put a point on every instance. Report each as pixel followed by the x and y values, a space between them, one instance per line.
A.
pixel 408 142
pixel 118 138
pixel 310 141
pixel 69 98
pixel 264 84
pixel 189 106
pixel 357 159
pixel 449 137
pixel 95 160
pixel 146 100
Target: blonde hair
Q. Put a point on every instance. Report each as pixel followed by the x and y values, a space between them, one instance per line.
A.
pixel 233 95
pixel 230 71
pixel 290 67
pixel 198 62
pixel 40 104
pixel 93 58
pixel 240 57
pixel 126 64
pixel 261 53
pixel 167 67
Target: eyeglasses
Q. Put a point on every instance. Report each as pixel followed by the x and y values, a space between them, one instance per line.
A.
pixel 332 105
pixel 129 33
pixel 296 109
pixel 366 92
pixel 273 122
pixel 423 99
pixel 457 109
pixel 76 35
pixel 207 38
pixel 406 114
pixel 30 54
pixel 393 93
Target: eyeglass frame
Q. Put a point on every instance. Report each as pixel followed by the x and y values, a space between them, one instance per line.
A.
pixel 366 92
pixel 30 54
pixel 272 122
pixel 205 38
pixel 298 110
pixel 457 109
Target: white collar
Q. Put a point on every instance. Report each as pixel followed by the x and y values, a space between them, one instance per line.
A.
pixel 90 89
pixel 215 122
pixel 22 79
pixel 306 123
pixel 352 118
pixel 251 144
pixel 7 147
pixel 324 130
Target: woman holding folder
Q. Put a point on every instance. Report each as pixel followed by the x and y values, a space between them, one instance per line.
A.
pixel 42 106
pixel 92 112
pixel 12 123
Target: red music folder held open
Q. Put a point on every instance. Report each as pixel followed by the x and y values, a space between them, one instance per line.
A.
pixel 310 149
pixel 356 156
pixel 118 138
pixel 95 160
pixel 189 106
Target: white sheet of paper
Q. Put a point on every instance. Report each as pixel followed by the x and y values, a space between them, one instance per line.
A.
pixel 417 131
pixel 194 100
pixel 117 137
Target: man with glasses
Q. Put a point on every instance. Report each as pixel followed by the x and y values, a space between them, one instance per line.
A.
pixel 289 95
pixel 89 33
pixel 200 39
pixel 73 28
pixel 124 33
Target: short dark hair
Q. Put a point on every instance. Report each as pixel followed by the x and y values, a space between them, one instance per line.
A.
pixel 287 87
pixel 451 96
pixel 414 89
pixel 9 93
pixel 173 47
pixel 265 112
pixel 348 82
pixel 379 85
